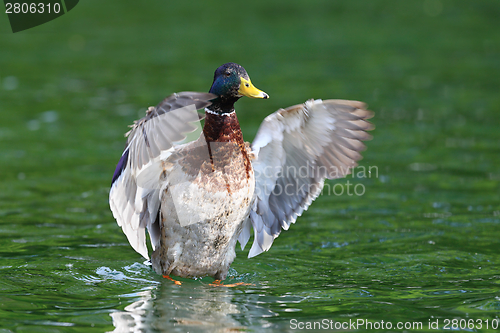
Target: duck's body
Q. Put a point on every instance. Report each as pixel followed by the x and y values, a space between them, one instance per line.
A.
pixel 202 214
pixel 198 198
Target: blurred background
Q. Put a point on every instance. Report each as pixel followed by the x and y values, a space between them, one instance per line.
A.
pixel 420 243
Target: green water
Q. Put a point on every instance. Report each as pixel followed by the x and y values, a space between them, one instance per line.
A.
pixel 420 245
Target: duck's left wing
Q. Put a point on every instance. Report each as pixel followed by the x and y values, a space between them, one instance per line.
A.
pixel 134 197
pixel 296 149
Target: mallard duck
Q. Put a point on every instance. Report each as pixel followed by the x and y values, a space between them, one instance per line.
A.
pixel 199 194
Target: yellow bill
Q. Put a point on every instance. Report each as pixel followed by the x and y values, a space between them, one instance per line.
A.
pixel 249 90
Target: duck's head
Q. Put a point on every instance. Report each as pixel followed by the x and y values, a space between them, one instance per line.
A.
pixel 231 82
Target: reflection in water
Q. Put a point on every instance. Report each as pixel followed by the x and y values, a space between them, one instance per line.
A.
pixel 193 306
pixel 136 315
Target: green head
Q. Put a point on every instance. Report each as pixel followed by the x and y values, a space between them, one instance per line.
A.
pixel 231 82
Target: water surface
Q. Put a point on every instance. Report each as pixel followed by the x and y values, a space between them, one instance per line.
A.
pixel 420 245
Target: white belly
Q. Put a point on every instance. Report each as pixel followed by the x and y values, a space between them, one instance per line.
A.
pixel 201 219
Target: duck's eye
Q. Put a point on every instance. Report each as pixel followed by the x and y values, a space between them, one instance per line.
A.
pixel 228 74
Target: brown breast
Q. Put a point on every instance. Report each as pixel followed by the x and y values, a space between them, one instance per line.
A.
pixel 221 161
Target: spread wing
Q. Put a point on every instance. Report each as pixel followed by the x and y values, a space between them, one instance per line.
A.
pixel 134 197
pixel 296 149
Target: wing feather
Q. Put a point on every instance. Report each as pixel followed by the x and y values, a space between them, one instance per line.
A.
pixel 134 197
pixel 296 149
